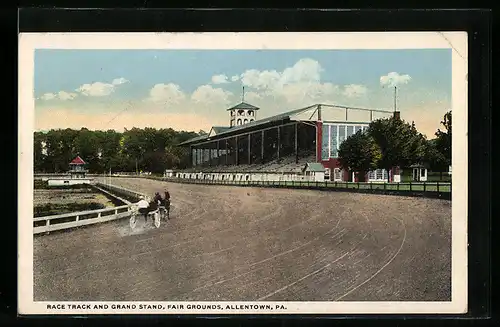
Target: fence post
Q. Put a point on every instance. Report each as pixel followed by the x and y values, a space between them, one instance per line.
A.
pixel 371 186
pixel 398 186
pixel 358 185
pixel 116 212
pixel 385 185
pixel 437 185
pixel 77 217
pixel 424 186
pixel 410 186
pixel 335 184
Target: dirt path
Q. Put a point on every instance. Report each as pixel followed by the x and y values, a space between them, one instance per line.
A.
pixel 233 243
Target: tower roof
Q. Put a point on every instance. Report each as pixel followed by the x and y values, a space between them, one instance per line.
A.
pixel 244 105
pixel 77 161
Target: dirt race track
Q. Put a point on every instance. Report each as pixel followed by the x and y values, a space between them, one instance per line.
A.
pixel 228 243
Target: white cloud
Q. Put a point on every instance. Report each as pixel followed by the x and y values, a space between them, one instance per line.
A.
pixel 66 95
pixel 394 79
pixel 234 78
pixel 219 79
pixel 48 96
pixel 304 70
pixel 207 94
pixel 99 89
pixel 354 90
pixel 170 93
pixel 61 95
pixel 119 81
pixel 299 84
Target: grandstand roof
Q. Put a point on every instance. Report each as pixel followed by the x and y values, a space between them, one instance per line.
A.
pixel 227 130
pixel 302 114
pixel 244 105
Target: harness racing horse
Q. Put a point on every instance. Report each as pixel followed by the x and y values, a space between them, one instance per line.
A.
pixel 154 209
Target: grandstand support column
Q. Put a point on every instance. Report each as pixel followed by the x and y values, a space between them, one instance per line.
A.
pixel 249 152
pixel 237 150
pixel 226 155
pixel 210 157
pixel 319 139
pixel 262 148
pixel 218 153
pixel 191 156
pixel 279 141
pixel 296 144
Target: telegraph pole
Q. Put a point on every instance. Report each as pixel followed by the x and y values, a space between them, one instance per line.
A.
pixel 395 98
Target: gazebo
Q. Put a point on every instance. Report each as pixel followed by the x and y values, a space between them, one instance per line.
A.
pixel 77 168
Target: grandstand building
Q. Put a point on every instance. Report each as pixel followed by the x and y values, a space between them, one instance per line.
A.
pixel 281 146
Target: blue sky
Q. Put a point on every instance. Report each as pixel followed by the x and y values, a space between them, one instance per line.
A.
pixel 188 74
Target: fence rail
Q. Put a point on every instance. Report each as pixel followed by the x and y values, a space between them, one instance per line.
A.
pixel 82 218
pixel 428 189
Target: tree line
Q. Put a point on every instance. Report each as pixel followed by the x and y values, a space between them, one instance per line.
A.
pixel 147 149
pixel 392 142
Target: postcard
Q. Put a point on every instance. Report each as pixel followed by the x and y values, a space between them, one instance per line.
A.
pixel 242 173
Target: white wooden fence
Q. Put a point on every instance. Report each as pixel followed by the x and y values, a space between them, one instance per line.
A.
pixel 82 218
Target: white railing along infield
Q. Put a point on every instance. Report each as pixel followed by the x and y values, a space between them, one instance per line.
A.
pixel 102 215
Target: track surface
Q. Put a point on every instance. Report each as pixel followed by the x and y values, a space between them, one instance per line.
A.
pixel 228 243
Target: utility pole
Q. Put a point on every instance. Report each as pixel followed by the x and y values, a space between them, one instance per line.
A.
pixel 395 98
pixel 243 95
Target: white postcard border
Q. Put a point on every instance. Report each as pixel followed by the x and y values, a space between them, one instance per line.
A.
pixel 28 42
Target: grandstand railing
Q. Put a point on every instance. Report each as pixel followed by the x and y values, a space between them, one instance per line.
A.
pixel 427 189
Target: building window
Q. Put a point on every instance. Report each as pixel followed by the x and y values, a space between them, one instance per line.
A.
pixel 341 134
pixel 241 112
pixel 337 174
pixel 325 151
pixel 232 112
pixel 251 120
pixel 350 131
pixel 245 121
pixel 422 172
pixel 250 112
pixel 333 141
pixel 239 121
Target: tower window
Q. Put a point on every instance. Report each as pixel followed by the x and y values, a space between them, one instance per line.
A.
pixel 250 112
pixel 232 112
pixel 239 121
pixel 241 112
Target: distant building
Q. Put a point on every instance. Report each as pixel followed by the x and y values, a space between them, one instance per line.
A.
pixel 77 174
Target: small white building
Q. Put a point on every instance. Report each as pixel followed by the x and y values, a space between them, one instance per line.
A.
pixel 314 171
pixel 419 173
pixel 77 175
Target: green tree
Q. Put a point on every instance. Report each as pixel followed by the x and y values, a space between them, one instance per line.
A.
pixel 443 138
pixel 401 145
pixel 359 153
pixel 39 153
pixel 435 158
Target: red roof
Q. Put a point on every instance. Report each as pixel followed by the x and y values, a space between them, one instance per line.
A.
pixel 77 161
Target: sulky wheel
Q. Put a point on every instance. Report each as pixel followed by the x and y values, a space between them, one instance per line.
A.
pixel 133 221
pixel 157 219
